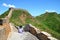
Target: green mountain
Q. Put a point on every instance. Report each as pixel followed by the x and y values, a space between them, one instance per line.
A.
pixel 4 14
pixel 49 21
pixel 20 17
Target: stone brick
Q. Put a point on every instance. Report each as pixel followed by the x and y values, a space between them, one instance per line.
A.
pixel 2 33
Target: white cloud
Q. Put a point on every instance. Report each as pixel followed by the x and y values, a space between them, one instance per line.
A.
pixel 50 10
pixel 4 4
pixel 8 5
pixel 11 6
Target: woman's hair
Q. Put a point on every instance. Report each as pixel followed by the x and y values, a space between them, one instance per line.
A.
pixel 20 26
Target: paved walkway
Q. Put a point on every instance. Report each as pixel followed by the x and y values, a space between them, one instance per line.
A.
pixel 13 29
pixel 14 35
pixel 21 36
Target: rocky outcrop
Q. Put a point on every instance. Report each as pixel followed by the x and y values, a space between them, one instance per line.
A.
pixel 42 36
pixel 30 29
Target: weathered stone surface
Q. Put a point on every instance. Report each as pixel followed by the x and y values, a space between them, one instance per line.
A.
pixel 2 33
pixel 45 33
pixel 7 27
pixel 21 36
pixel 1 22
pixel 52 38
pixel 13 28
pixel 41 36
pixel 30 29
pixel 37 30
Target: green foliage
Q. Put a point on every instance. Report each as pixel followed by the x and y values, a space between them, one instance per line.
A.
pixel 15 17
pixel 51 20
pixel 4 14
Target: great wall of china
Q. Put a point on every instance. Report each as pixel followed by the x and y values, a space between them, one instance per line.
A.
pixel 6 28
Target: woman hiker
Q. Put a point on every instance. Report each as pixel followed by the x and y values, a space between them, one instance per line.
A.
pixel 20 29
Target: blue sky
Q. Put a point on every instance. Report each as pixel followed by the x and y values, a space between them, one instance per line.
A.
pixel 34 7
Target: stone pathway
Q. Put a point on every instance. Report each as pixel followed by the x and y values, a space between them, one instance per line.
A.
pixel 13 29
pixel 10 14
pixel 14 35
pixel 21 36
